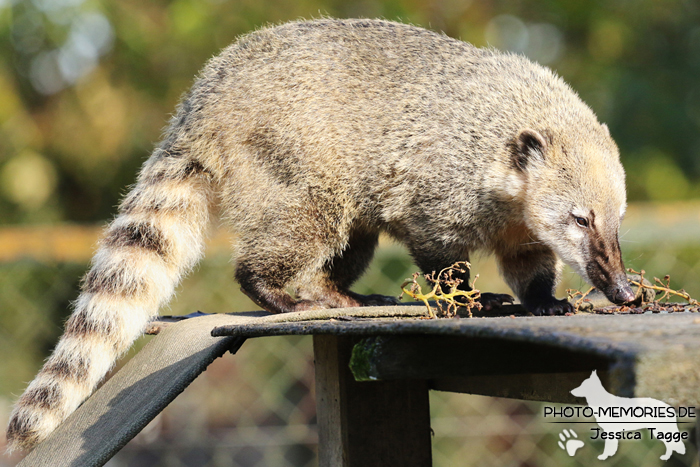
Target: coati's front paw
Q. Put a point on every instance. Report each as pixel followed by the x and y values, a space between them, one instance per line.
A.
pixel 551 307
pixel 376 300
pixel 489 301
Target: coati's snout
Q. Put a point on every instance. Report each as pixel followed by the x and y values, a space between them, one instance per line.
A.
pixel 622 294
pixel 619 292
pixel 603 260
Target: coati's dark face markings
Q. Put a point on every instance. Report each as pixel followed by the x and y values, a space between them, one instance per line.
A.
pixel 600 253
pixel 574 201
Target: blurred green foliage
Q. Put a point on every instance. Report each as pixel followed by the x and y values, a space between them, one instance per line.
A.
pixel 87 85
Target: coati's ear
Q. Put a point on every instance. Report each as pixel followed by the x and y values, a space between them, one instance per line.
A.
pixel 528 144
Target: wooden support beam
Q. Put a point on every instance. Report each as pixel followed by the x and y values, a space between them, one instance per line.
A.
pixel 366 424
pixel 540 387
pixel 487 366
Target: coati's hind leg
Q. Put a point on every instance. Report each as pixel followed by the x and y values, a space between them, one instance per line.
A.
pixel 280 245
pixel 267 268
pixel 533 275
pixel 275 262
pixel 306 244
pixel 342 271
pixel 264 286
pixel 432 257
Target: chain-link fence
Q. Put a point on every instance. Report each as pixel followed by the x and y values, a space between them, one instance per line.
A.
pixel 257 408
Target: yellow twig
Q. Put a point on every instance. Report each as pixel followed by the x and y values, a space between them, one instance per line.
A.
pixel 444 278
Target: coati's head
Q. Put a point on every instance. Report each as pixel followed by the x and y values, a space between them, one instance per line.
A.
pixel 574 193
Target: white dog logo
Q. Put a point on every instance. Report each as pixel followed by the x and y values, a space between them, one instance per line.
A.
pixel 616 414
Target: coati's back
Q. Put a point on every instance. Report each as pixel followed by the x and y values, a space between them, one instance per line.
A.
pixel 367 107
pixel 311 138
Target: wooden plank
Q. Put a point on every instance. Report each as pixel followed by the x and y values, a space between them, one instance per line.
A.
pixel 138 392
pixel 365 424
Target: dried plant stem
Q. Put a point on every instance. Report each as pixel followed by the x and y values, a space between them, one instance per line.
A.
pixel 572 293
pixel 444 279
pixel 661 286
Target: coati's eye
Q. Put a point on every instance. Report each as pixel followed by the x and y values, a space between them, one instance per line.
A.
pixel 581 222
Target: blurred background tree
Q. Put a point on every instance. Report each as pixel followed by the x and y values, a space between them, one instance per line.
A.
pixel 86 86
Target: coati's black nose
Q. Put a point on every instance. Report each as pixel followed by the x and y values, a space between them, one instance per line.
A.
pixel 622 294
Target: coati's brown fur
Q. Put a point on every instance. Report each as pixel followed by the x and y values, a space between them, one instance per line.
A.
pixel 314 137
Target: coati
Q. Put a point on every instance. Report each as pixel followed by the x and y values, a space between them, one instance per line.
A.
pixel 313 137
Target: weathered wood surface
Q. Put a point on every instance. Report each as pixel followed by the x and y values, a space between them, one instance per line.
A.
pixel 654 355
pixel 138 392
pixel 382 424
pixel 258 318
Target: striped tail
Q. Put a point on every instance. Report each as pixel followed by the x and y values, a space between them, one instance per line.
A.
pixel 157 237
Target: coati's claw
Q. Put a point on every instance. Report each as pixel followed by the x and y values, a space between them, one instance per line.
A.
pixel 555 307
pixel 489 301
pixel 376 300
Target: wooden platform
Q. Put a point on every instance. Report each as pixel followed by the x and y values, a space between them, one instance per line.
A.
pixel 373 374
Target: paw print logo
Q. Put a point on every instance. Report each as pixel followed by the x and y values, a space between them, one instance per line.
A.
pixel 569 442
